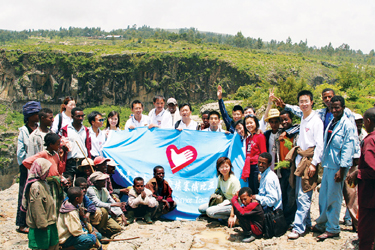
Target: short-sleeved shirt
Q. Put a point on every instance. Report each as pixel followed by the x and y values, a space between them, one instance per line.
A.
pixel 145 121
pixel 230 186
pixel 96 142
pixel 80 137
pixel 163 119
pixel 192 125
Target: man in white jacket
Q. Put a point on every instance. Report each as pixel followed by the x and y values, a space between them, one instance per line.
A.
pixel 141 203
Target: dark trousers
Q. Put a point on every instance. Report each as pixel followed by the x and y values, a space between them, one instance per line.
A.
pixel 21 216
pixel 366 228
pixel 253 179
pixel 289 196
pixel 72 167
pixel 141 210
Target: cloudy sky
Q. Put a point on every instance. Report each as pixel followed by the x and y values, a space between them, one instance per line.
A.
pixel 319 21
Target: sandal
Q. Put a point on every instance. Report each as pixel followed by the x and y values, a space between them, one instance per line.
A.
pixel 23 230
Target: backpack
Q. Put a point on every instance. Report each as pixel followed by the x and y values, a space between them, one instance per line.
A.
pixel 60 123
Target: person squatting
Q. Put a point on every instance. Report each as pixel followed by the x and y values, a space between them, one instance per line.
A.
pixel 69 199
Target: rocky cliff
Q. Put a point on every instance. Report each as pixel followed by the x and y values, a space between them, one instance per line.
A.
pixel 49 76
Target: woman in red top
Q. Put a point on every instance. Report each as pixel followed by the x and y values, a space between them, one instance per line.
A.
pixel 255 145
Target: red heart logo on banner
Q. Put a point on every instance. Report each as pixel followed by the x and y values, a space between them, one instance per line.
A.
pixel 180 158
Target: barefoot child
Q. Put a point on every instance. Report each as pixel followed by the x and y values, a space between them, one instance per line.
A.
pixel 71 233
pixel 250 215
pixel 141 203
pixel 162 192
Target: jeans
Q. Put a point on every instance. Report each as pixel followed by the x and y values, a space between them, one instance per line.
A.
pixel 302 217
pixel 216 212
pixel 21 216
pixel 330 199
pixel 82 242
pixel 253 179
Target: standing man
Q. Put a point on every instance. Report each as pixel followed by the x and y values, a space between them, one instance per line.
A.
pixel 173 109
pixel 305 162
pixel 30 116
pixel 36 140
pixel 214 120
pixel 77 135
pixel 186 122
pixel 337 158
pixel 138 119
pixel 365 176
pixel 237 112
pixel 97 136
pixel 159 117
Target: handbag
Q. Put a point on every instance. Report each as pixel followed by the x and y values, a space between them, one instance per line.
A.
pixel 274 223
pixel 216 198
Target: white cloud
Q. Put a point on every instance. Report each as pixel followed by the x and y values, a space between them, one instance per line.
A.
pixel 319 21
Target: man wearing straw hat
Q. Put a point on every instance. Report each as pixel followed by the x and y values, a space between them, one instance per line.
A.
pixel 273 118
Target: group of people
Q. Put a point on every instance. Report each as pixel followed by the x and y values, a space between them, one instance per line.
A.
pixel 67 195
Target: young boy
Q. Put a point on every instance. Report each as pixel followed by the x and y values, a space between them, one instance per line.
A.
pixel 161 191
pixel 36 140
pixel 250 215
pixel 237 112
pixel 96 216
pixel 273 118
pixel 138 119
pixel 159 117
pixel 141 203
pixel 100 196
pixel 71 233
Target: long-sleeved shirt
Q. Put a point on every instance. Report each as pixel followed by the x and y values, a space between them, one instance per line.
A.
pixel 366 173
pixel 68 225
pixel 255 145
pixel 227 120
pixel 322 113
pixel 57 168
pixel 102 198
pixel 339 148
pixel 136 199
pixel 36 142
pixel 23 143
pixel 269 190
pixel 311 135
pixel 41 210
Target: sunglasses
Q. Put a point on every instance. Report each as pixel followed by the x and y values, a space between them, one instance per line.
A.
pixel 101 120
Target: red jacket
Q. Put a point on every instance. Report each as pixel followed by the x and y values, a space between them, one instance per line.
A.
pixel 255 145
pixel 366 173
pixel 166 191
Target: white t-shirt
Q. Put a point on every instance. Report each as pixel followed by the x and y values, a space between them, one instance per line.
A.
pixel 65 121
pixel 262 125
pixel 310 135
pixel 96 142
pixel 192 125
pixel 271 142
pixel 76 136
pixel 163 119
pixel 218 130
pixel 145 121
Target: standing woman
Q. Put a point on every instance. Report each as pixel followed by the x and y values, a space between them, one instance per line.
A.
pixel 40 209
pixel 30 116
pixel 113 122
pixel 255 145
pixel 228 184
pixel 64 117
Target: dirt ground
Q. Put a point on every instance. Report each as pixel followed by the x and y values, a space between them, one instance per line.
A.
pixel 179 234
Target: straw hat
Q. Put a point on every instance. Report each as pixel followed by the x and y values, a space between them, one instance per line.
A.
pixel 273 113
pixel 85 163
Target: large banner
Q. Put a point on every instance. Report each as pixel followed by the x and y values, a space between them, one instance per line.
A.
pixel 188 157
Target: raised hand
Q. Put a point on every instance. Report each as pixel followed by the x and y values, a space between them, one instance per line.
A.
pixel 219 92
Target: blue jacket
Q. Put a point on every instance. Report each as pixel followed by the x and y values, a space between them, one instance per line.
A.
pixel 227 120
pixel 339 150
pixel 87 203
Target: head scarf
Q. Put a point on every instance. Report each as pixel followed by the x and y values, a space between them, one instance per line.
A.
pixel 37 173
pixel 29 109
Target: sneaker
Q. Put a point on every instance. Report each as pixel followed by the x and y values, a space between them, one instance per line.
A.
pixel 249 239
pixel 293 235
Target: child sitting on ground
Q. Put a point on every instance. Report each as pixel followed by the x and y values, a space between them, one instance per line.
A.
pixel 100 196
pixel 250 215
pixel 71 233
pixel 161 191
pixel 141 203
